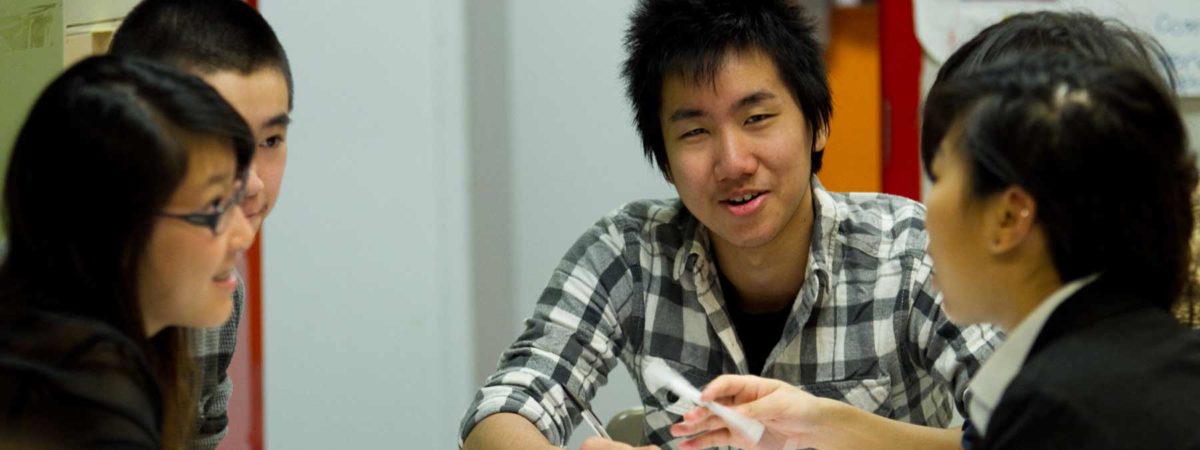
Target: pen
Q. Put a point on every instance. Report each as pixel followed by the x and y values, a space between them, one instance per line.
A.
pixel 587 414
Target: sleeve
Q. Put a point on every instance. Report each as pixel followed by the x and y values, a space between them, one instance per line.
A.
pixel 951 354
pixel 79 387
pixel 572 340
pixel 124 404
pixel 213 349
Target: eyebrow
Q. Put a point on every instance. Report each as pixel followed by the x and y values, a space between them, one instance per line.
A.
pixel 753 99
pixel 280 120
pixel 749 100
pixel 686 113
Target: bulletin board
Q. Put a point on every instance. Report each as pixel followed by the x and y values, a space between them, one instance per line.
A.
pixel 943 25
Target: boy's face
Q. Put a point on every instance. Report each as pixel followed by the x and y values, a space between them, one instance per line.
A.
pixel 261 97
pixel 739 151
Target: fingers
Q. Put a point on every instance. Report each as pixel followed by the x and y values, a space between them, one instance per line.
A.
pixel 696 414
pixel 711 439
pixel 789 411
pixel 698 424
pixel 757 398
pixel 735 389
pixel 726 386
pixel 779 405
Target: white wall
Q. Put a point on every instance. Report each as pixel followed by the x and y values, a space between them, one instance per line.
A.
pixel 366 276
pixel 576 154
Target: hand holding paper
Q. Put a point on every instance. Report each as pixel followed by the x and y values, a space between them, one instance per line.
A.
pixel 786 417
pixel 657 373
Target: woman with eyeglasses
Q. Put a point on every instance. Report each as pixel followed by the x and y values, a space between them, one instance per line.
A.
pixel 122 229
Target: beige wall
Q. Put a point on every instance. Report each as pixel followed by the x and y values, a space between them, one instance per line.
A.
pixel 31 54
pixel 38 38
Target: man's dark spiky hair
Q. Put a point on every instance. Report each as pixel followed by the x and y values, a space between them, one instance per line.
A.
pixel 692 37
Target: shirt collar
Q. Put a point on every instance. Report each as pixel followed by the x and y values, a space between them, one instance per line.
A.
pixel 828 213
pixel 999 370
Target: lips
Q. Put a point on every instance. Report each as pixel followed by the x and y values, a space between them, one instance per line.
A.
pixel 226 280
pixel 257 213
pixel 742 199
pixel 744 203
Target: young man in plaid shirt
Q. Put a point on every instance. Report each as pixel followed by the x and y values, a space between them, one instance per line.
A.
pixel 754 269
pixel 230 46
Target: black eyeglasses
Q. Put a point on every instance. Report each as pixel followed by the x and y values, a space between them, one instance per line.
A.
pixel 218 219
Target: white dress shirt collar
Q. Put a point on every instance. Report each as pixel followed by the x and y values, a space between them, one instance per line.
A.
pixel 998 371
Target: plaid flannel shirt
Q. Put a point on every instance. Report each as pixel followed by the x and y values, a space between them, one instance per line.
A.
pixel 213 349
pixel 866 328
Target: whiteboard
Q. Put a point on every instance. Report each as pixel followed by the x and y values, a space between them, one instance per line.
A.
pixel 943 25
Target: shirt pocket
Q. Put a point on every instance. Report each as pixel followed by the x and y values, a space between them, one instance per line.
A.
pixel 867 394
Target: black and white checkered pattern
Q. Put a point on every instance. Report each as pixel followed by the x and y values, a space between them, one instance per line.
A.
pixel 213 349
pixel 867 327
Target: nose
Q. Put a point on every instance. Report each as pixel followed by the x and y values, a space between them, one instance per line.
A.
pixel 735 158
pixel 241 234
pixel 254 186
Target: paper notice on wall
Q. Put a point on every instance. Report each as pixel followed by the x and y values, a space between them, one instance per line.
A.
pixel 29 27
pixel 943 25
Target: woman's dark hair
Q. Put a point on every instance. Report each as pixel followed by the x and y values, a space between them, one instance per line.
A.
pixel 98 158
pixel 1100 147
pixel 692 37
pixel 1087 36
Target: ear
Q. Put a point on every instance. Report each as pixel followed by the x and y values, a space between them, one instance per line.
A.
pixel 1010 220
pixel 820 139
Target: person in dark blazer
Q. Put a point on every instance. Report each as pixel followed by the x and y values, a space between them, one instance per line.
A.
pixel 1085 35
pixel 1060 210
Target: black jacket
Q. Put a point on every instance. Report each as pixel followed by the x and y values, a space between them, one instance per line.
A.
pixel 73 383
pixel 1105 372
